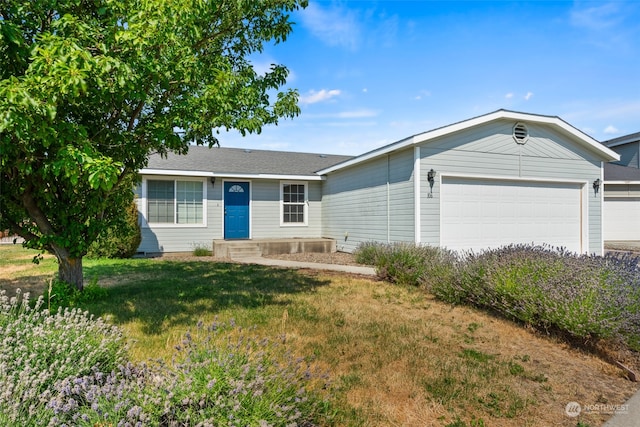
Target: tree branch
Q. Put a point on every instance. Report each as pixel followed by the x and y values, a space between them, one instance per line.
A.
pixel 135 115
pixel 20 231
pixel 35 213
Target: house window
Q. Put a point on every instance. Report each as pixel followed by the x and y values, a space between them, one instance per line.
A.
pixel 175 202
pixel 294 206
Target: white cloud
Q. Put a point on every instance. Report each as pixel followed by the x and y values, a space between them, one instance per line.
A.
pixel 528 96
pixel 357 114
pixel 422 94
pixel 349 114
pixel 598 17
pixel 335 26
pixel 509 95
pixel 388 30
pixel 611 130
pixel 314 97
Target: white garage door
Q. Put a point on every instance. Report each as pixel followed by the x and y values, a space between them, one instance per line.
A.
pixel 479 214
pixel 621 218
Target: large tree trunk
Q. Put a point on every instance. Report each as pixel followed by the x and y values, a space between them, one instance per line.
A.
pixel 70 270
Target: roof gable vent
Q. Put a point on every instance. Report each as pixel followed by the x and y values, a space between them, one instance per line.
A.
pixel 520 133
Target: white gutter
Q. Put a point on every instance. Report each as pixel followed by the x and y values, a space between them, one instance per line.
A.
pixel 169 172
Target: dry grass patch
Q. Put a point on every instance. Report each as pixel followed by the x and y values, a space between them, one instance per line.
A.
pixel 403 358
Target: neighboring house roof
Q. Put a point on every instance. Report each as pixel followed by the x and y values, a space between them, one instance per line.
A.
pixel 554 121
pixel 620 174
pixel 238 162
pixel 621 140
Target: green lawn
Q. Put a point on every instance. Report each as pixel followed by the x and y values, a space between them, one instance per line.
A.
pixel 394 354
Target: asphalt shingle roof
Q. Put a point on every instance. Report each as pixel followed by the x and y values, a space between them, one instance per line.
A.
pixel 245 161
pixel 621 140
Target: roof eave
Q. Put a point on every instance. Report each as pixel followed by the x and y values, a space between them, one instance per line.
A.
pixel 622 140
pixel 168 172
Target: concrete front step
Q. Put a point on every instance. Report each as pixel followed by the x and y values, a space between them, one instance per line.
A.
pixel 258 247
pixel 244 251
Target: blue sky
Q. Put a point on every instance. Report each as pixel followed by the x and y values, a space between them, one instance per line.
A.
pixel 373 72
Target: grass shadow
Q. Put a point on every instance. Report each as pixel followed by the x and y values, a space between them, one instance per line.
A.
pixel 163 294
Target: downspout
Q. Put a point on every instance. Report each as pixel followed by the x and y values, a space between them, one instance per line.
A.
pixel 388 199
pixel 586 219
pixel 416 195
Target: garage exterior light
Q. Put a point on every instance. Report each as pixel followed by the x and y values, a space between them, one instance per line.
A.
pixel 596 186
pixel 431 177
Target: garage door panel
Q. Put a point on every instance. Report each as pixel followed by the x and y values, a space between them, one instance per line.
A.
pixel 479 214
pixel 621 218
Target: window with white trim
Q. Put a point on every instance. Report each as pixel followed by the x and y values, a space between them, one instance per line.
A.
pixel 175 202
pixel 294 203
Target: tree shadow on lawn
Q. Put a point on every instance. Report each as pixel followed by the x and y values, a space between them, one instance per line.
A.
pixel 164 294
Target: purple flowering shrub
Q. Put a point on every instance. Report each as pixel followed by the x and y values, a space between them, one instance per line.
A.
pixel 408 264
pixel 71 369
pixel 223 377
pixel 584 296
pixel 39 349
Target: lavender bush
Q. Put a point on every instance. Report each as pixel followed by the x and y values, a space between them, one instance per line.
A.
pixel 212 382
pixel 70 369
pixel 585 296
pixel 39 349
pixel 408 264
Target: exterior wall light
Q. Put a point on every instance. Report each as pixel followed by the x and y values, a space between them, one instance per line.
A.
pixel 431 177
pixel 213 180
pixel 596 185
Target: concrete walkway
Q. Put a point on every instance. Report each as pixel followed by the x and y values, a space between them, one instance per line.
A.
pixel 627 415
pixel 354 269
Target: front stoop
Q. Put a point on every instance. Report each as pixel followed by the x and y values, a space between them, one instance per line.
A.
pixel 236 249
pixel 243 250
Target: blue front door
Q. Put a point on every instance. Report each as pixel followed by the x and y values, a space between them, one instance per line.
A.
pixel 236 210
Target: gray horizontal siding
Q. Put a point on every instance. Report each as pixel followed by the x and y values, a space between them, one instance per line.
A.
pixel 265 211
pixel 622 190
pixel 370 202
pixel 265 219
pixel 186 239
pixel 401 199
pixel 493 152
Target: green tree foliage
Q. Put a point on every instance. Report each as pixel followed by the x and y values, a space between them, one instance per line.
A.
pixel 121 239
pixel 90 88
